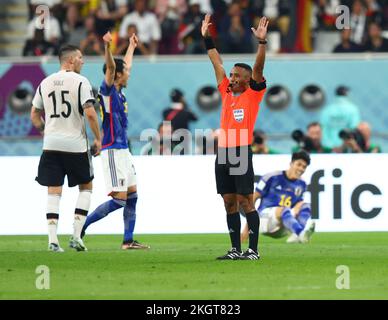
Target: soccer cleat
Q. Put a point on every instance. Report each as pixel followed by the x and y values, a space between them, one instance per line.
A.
pixel 250 255
pixel 307 232
pixel 77 244
pixel 134 245
pixel 232 254
pixel 55 247
pixel 293 238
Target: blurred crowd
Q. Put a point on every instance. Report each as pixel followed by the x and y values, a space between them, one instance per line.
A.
pixel 340 129
pixel 172 26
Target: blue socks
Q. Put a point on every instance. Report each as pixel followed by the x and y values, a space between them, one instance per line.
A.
pixel 130 217
pixel 304 214
pixel 102 211
pixel 290 222
pixel 129 214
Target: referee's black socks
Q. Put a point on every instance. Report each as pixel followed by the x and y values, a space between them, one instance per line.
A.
pixel 253 221
pixel 234 226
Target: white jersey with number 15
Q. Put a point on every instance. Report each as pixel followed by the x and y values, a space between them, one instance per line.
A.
pixel 61 96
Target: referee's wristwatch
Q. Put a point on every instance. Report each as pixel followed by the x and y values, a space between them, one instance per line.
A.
pixel 262 41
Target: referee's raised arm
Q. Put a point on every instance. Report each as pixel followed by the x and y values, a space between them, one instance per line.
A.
pixel 260 33
pixel 212 51
pixel 109 61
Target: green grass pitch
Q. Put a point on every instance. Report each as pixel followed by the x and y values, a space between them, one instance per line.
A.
pixel 184 267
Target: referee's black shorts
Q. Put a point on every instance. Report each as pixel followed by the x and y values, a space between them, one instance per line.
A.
pixel 234 170
pixel 55 165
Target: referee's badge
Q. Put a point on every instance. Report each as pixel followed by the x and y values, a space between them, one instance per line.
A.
pixel 238 115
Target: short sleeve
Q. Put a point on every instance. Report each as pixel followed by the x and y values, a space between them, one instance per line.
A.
pixel 223 86
pixel 37 102
pixel 86 92
pixel 262 186
pixel 258 86
pixel 257 90
pixel 106 90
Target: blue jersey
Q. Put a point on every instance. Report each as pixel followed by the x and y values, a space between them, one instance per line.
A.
pixel 277 190
pixel 114 117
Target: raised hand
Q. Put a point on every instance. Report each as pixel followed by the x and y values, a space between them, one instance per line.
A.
pixel 133 41
pixel 107 37
pixel 205 26
pixel 261 31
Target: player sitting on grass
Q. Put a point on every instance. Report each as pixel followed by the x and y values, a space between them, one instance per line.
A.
pixel 282 208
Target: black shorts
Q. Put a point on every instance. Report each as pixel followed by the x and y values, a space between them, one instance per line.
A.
pixel 234 170
pixel 55 165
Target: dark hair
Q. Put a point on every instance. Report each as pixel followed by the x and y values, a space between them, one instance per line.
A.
pixel 313 124
pixel 119 66
pixel 301 155
pixel 244 66
pixel 64 50
pixel 341 91
pixel 176 95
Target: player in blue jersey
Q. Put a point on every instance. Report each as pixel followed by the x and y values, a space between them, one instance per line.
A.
pixel 119 171
pixel 282 209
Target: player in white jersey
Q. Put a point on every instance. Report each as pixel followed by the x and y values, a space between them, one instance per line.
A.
pixel 66 97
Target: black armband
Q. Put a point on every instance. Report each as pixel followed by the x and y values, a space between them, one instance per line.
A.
pixel 258 86
pixel 209 43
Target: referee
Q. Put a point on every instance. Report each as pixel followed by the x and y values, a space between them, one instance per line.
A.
pixel 241 94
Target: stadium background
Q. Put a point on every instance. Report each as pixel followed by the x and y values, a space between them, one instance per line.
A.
pixel 183 266
pixel 148 94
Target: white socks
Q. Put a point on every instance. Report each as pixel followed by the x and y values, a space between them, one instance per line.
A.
pixel 81 211
pixel 53 216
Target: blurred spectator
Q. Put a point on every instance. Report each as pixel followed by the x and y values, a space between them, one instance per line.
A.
pixel 205 6
pixel 312 141
pixel 365 130
pixel 375 43
pixel 278 13
pixel 147 24
pixel 339 115
pixel 190 29
pixel 373 11
pixel 141 49
pixel 259 145
pixel 91 45
pixel 235 32
pixel 76 10
pixel 109 13
pixel 347 45
pixel 38 46
pixel 52 30
pixel 358 22
pixel 327 14
pixel 358 140
pixel 170 14
pixel 178 113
